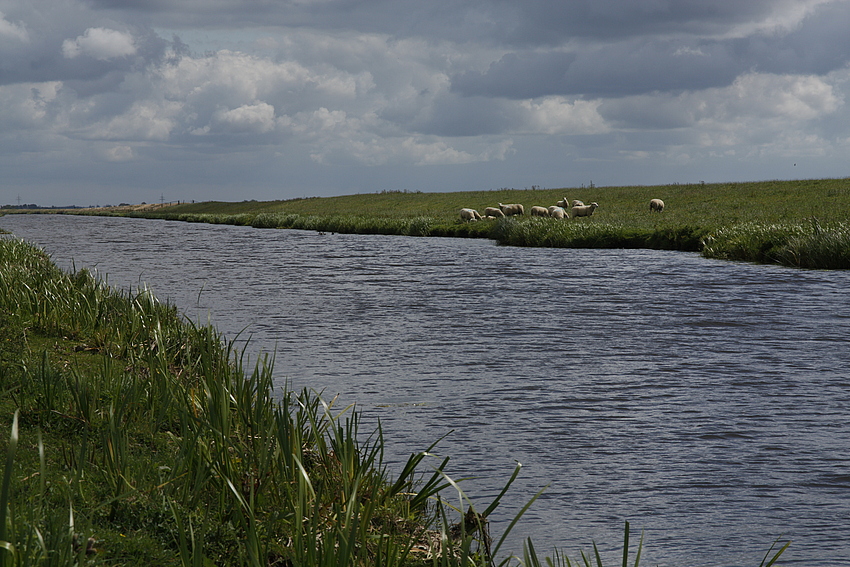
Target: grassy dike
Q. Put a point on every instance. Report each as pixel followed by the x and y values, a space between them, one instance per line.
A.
pixel 803 224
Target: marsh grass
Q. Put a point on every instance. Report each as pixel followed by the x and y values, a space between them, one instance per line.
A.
pixel 807 244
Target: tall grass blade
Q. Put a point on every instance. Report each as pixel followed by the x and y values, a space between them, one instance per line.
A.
pixel 596 553
pixel 5 504
pixel 517 517
pixel 626 546
pixel 776 556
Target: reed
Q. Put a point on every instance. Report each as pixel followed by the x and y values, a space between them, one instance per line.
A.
pixel 138 437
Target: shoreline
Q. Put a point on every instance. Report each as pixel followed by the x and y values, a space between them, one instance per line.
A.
pixel 800 224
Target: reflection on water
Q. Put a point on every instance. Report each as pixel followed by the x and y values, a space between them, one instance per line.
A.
pixel 705 402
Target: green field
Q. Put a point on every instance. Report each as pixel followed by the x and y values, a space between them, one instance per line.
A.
pixel 803 223
pixel 703 204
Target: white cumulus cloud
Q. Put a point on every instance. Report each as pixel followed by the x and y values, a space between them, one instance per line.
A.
pixel 100 43
pixel 12 30
pixel 249 118
pixel 557 115
pixel 119 153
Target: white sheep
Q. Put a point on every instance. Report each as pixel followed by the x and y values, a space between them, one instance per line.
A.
pixel 563 203
pixel 557 212
pixel 493 212
pixel 469 215
pixel 539 211
pixel 656 205
pixel 584 210
pixel 512 209
pixel 577 203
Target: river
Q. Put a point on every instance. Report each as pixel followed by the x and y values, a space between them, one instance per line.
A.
pixel 705 402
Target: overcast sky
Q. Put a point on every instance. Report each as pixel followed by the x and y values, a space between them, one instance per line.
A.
pixel 108 101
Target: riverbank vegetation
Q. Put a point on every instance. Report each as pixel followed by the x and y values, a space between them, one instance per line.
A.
pixel 804 223
pixel 133 436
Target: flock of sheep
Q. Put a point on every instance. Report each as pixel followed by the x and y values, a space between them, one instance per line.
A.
pixel 556 211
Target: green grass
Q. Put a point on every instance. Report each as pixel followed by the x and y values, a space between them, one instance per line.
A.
pixel 699 204
pixel 803 223
pixel 138 438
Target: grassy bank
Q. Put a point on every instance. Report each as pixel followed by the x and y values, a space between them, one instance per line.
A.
pixel 803 224
pixel 134 437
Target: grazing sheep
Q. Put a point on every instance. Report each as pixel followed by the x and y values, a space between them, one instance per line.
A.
pixel 512 209
pixel 656 205
pixel 563 203
pixel 493 212
pixel 557 212
pixel 584 210
pixel 469 215
pixel 539 211
pixel 577 203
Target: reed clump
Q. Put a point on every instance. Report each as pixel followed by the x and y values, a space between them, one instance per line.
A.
pixel 803 245
pixel 581 234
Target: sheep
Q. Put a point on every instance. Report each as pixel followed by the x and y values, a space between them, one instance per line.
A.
pixel 469 215
pixel 539 211
pixel 563 203
pixel 493 212
pixel 512 209
pixel 557 212
pixel 584 210
pixel 577 203
pixel 656 205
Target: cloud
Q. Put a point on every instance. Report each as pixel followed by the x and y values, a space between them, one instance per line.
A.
pixel 410 150
pixel 758 115
pixel 27 105
pixel 12 31
pixel 119 153
pixel 101 44
pixel 144 120
pixel 557 115
pixel 248 118
pixel 797 38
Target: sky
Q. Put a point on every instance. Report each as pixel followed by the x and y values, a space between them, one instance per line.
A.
pixel 111 101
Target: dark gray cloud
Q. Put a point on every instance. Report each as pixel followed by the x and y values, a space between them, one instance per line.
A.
pixel 648 113
pixel 647 63
pixel 550 22
pixel 819 45
pixel 60 45
pixel 632 67
pixel 467 116
pixel 502 22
